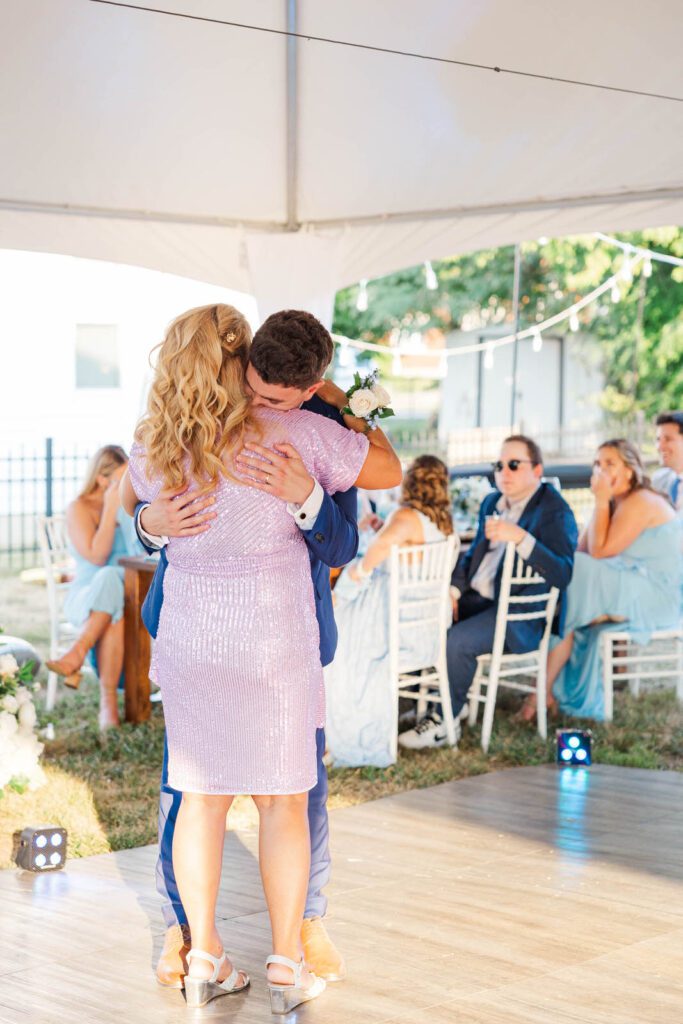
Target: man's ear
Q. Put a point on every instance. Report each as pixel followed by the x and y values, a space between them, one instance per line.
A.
pixel 538 471
pixel 309 392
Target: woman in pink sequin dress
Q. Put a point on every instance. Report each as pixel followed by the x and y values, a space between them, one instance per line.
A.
pixel 237 652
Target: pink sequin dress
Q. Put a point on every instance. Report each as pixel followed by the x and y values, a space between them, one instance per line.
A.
pixel 237 653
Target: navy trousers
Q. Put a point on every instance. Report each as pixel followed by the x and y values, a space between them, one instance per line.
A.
pixel 470 636
pixel 169 805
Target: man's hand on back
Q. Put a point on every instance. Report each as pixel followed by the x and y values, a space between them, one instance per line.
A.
pixel 281 472
pixel 175 513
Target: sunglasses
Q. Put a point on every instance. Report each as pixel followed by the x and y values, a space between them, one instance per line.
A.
pixel 512 464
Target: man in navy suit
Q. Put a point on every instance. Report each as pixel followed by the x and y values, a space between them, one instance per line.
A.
pixel 282 353
pixel 539 521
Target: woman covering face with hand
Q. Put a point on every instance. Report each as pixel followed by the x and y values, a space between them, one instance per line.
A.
pixel 628 569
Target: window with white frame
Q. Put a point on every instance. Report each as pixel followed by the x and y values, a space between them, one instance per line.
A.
pixel 97 356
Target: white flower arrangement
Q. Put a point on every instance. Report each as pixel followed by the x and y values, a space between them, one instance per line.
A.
pixel 467 494
pixel 368 400
pixel 20 748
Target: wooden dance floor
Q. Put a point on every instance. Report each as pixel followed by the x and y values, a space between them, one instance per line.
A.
pixel 524 896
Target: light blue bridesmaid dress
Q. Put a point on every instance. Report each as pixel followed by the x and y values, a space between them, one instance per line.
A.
pixel 361 708
pixel 643 586
pixel 99 588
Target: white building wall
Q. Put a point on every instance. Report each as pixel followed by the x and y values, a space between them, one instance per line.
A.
pixel 539 381
pixel 42 299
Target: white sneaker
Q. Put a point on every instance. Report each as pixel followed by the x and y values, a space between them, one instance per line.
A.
pixel 430 732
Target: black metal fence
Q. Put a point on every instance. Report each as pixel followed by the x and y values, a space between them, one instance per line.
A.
pixel 34 481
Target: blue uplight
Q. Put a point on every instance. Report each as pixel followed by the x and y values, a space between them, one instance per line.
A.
pixel 574 741
pixel 566 755
pixel 580 755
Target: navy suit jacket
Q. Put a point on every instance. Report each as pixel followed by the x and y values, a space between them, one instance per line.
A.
pixel 550 520
pixel 331 543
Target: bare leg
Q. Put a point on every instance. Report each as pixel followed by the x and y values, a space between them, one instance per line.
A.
pixel 71 662
pixel 109 665
pixel 197 860
pixel 558 658
pixel 284 859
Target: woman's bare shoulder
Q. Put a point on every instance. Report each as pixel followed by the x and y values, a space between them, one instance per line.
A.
pixel 650 505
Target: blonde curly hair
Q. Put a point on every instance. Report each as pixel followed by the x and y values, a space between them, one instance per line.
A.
pixel 198 412
pixel 425 488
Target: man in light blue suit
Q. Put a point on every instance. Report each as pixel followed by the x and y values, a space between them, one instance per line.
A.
pixel 281 353
pixel 669 477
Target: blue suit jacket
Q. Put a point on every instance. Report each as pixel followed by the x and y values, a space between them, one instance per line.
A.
pixel 549 519
pixel 331 543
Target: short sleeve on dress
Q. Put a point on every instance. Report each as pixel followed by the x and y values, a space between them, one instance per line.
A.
pixel 145 489
pixel 338 454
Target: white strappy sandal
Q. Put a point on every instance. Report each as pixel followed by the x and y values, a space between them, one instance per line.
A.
pixel 200 991
pixel 284 998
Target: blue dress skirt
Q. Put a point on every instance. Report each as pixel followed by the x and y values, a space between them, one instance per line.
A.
pixel 99 588
pixel 361 712
pixel 642 586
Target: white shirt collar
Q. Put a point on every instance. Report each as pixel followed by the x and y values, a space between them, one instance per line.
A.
pixel 516 506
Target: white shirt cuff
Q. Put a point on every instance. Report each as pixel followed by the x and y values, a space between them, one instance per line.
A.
pixel 526 546
pixel 305 515
pixel 148 538
pixel 455 593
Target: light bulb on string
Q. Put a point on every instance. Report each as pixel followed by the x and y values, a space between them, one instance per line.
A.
pixel 362 300
pixel 615 294
pixel 573 322
pixel 488 359
pixel 647 267
pixel 537 342
pixel 344 358
pixel 626 272
pixel 431 279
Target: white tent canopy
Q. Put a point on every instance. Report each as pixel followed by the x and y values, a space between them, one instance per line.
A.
pixel 290 168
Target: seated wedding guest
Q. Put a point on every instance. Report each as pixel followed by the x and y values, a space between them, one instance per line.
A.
pixel 539 521
pixel 361 703
pixel 628 569
pixel 99 533
pixel 669 477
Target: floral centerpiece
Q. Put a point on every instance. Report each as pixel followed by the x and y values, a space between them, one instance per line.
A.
pixel 467 494
pixel 368 400
pixel 20 748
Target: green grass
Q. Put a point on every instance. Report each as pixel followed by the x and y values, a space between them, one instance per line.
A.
pixel 104 790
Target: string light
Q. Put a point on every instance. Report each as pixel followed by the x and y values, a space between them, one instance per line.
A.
pixel 569 314
pixel 537 342
pixel 362 300
pixel 626 272
pixel 430 277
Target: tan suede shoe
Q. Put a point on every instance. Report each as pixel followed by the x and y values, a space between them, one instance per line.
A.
pixel 320 953
pixel 172 965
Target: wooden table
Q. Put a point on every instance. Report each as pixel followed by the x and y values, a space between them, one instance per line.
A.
pixel 136 582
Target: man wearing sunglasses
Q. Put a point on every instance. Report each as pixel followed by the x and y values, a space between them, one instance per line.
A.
pixel 539 521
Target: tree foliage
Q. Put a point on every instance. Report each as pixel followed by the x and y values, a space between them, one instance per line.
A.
pixel 641 336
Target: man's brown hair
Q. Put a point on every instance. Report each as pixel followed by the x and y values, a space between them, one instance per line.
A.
pixel 533 450
pixel 292 349
pixel 675 418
